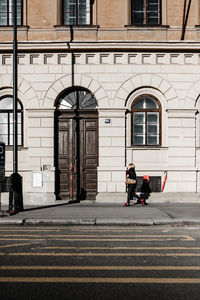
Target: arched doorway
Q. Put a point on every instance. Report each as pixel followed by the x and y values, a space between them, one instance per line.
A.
pixel 76 145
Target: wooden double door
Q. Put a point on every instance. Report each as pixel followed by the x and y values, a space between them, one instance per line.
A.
pixel 76 154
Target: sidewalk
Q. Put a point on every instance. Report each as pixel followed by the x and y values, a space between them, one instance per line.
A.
pixel 89 213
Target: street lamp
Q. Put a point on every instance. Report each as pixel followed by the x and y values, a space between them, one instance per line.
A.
pixel 15 192
pixel 15 86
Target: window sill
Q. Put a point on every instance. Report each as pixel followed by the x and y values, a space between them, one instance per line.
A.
pixel 20 148
pixel 147 147
pixel 146 27
pixel 10 28
pixel 76 27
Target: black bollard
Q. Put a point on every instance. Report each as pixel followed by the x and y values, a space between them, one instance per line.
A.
pixel 15 193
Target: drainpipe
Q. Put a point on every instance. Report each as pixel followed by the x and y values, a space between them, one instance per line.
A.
pixel 196 150
pixel 126 112
pixel 185 18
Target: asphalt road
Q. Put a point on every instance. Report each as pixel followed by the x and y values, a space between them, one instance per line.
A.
pixel 99 263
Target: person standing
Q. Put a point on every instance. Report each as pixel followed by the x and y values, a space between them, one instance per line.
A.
pixel 130 174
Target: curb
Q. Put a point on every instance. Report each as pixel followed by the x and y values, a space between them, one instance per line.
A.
pixel 11 221
pixel 142 222
pixel 59 222
pixel 102 222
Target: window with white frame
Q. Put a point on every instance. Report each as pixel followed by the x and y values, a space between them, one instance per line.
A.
pixel 146 121
pixel 6 121
pixel 6 12
pixel 77 12
pixel 145 12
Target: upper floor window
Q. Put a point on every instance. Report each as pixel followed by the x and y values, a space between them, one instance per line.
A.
pixel 146 121
pixel 6 121
pixel 76 12
pixel 6 12
pixel 145 12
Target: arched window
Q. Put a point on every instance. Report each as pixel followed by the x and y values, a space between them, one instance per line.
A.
pixel 80 99
pixel 6 121
pixel 146 121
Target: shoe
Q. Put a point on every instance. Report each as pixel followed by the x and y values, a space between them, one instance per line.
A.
pixel 126 204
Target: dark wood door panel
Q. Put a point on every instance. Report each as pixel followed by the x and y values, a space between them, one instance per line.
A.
pixel 90 162
pixel 63 142
pixel 90 143
pixel 77 155
pixel 91 182
pixel 90 159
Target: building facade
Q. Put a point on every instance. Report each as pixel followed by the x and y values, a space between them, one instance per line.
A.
pixel 101 84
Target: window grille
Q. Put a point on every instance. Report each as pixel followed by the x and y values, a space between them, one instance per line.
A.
pixel 154 183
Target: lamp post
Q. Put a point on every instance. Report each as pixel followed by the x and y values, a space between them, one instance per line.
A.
pixel 15 192
pixel 15 86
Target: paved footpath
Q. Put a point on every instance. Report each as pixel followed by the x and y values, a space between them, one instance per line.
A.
pixel 89 213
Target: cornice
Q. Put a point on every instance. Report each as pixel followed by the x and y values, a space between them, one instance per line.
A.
pixel 103 46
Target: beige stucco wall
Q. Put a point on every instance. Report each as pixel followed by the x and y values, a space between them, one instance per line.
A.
pixel 42 22
pixel 42 14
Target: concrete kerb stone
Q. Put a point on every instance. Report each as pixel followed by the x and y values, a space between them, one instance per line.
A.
pixel 5 221
pixel 147 222
pixel 59 222
pixel 176 221
pixel 191 221
pixel 101 221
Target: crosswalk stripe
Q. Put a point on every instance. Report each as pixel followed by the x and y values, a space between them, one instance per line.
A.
pixel 20 239
pixel 119 248
pixel 117 240
pixel 100 254
pixel 104 268
pixel 101 280
pixel 104 235
pixel 14 245
pixel 30 230
pixel 106 230
pixel 89 240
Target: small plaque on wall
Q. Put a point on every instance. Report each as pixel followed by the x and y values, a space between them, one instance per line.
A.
pixel 37 179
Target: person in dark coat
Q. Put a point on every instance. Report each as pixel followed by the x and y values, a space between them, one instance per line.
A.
pixel 145 191
pixel 131 174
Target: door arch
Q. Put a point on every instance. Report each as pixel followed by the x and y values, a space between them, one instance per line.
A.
pixel 76 145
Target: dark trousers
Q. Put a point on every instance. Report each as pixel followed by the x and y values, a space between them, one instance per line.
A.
pixel 131 192
pixel 144 196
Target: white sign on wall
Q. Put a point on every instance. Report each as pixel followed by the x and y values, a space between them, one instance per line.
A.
pixel 37 179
